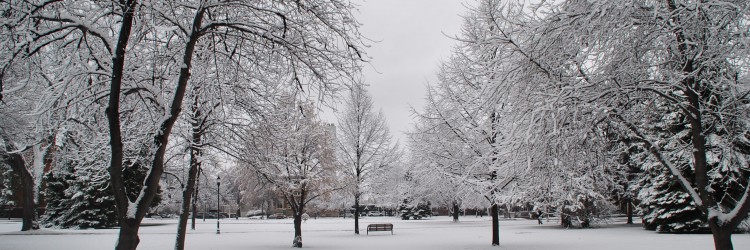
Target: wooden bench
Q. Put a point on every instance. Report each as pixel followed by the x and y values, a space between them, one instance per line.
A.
pixel 380 227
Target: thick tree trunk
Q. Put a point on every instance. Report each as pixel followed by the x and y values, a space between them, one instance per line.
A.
pixel 297 230
pixel 29 207
pixel 128 237
pixel 495 226
pixel 130 220
pixel 18 165
pixel 356 214
pixel 722 235
pixel 298 208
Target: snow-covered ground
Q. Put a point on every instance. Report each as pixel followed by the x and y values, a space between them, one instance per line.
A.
pixel 337 233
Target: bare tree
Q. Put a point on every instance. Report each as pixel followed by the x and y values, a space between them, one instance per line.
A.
pixel 292 151
pixel 364 144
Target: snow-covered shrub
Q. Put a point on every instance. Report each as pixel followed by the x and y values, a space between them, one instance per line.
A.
pixel 584 210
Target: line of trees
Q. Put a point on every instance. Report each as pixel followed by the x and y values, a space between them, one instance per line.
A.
pixel 108 81
pixel 561 97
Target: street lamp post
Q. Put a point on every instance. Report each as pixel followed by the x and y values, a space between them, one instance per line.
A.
pixel 218 208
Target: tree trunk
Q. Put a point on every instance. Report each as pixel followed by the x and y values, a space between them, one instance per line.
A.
pixel 130 220
pixel 29 207
pixel 187 195
pixel 239 199
pixel 455 211
pixel 195 196
pixel 356 214
pixel 297 230
pixel 495 226
pixel 18 165
pixel 722 235
pixel 629 210
pixel 195 163
pixel 128 237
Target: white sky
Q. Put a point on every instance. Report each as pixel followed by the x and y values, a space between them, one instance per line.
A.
pixel 411 38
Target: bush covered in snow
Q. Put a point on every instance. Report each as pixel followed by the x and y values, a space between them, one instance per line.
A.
pixel 584 210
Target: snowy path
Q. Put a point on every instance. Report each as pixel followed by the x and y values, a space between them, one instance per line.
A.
pixel 337 233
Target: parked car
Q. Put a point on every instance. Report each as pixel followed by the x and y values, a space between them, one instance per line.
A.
pixel 277 216
pixel 374 213
pixel 210 215
pixel 255 214
pixel 163 216
pixel 346 214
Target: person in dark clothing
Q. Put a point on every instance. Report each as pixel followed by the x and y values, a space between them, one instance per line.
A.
pixel 539 216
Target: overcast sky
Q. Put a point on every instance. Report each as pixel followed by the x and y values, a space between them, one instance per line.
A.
pixel 411 38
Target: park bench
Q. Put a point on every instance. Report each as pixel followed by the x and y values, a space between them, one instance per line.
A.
pixel 380 227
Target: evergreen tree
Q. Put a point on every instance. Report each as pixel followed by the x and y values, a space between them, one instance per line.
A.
pixel 408 211
pixel 405 210
pixel 423 209
pixel 80 197
pixel 6 188
pixel 667 208
pixel 55 195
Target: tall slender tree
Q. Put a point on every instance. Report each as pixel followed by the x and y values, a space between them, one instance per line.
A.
pixel 364 144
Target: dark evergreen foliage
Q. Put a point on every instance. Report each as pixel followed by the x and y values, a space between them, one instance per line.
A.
pixel 81 198
pixel 6 186
pixel 667 208
pixel 133 177
pixel 78 199
pixel 408 211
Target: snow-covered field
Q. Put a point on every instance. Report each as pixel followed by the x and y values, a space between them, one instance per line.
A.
pixel 337 233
